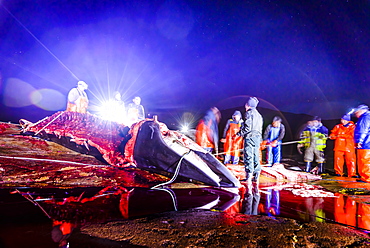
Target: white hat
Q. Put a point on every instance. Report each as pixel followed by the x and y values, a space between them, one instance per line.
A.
pixel 82 83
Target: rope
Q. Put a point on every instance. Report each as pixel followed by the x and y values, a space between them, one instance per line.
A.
pixel 173 196
pixel 30 198
pixel 285 143
pixel 220 153
pixel 49 160
pixel 49 123
pixel 175 174
pixel 27 124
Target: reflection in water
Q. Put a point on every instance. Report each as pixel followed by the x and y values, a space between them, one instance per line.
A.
pixel 345 210
pixel 284 203
pixel 315 209
pixel 251 200
pixel 351 213
pixel 338 209
pixel 68 209
pixel 92 205
pixel 61 231
pixel 272 203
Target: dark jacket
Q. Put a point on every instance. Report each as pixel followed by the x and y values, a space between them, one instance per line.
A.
pixel 267 136
pixel 252 125
pixel 362 130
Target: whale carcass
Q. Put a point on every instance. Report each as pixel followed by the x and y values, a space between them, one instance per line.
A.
pixel 148 145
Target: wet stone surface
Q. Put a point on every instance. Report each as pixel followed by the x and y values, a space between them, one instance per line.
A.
pixel 197 228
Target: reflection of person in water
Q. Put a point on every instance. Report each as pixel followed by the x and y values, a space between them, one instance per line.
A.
pixel 363 212
pixel 315 208
pixel 348 212
pixel 272 202
pixel 344 210
pixel 251 200
pixel 61 232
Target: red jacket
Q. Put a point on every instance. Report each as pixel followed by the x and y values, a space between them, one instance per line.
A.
pixel 203 135
pixel 344 137
pixel 233 143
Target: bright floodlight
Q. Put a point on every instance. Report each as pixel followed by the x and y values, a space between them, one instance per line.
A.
pixel 184 128
pixel 112 110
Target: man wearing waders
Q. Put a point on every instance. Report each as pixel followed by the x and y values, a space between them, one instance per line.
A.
pixel 206 134
pixel 313 138
pixel 344 146
pixel 251 131
pixel 77 98
pixel 273 136
pixel 362 140
pixel 232 145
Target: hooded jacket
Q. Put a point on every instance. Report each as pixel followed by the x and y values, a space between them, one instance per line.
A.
pixel 362 130
pixel 274 133
pixel 343 136
pixel 207 131
pixel 314 135
pixel 252 125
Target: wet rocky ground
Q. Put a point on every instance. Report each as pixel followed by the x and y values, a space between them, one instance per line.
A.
pixel 217 229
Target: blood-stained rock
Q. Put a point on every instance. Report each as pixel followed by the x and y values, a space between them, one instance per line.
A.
pixel 31 161
pixel 276 172
pixel 3 127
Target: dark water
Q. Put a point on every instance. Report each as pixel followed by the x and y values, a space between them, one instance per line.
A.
pixel 26 217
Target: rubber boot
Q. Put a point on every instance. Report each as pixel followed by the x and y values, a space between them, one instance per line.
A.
pixel 256 176
pixel 308 166
pixel 248 178
pixel 321 168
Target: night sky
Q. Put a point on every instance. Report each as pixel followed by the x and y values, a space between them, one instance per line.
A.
pixel 307 57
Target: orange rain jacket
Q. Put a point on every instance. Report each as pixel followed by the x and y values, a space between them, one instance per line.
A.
pixel 343 136
pixel 233 143
pixel 203 135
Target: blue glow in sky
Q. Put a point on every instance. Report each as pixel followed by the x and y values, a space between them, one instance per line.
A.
pixel 299 56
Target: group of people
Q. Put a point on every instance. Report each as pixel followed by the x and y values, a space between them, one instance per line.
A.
pixel 247 136
pixel 243 135
pixel 249 130
pixel 348 137
pixel 362 141
pixel 78 102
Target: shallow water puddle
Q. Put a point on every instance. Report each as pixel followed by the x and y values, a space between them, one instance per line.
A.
pixel 313 204
pixel 30 212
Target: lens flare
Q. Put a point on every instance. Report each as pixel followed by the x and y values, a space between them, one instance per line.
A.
pixel 112 110
pixel 48 99
pixel 184 128
pixel 17 93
